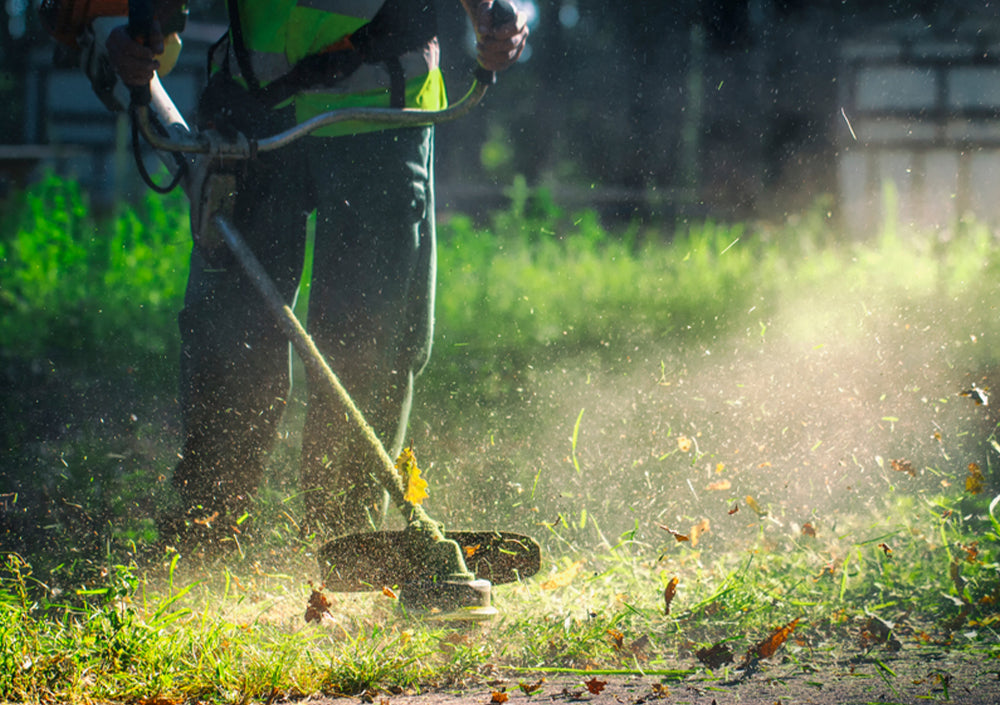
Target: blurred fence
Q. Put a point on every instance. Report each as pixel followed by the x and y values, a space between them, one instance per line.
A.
pixel 920 112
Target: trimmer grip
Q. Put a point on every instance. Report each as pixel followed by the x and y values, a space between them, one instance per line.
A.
pixel 140 28
pixel 502 12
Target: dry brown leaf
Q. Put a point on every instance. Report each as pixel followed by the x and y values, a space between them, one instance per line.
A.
pixel 499 697
pixel 719 486
pixel 676 534
pixel 715 656
pixel 669 593
pixel 975 481
pixel 702 527
pixel 971 551
pixel 977 395
pixel 531 688
pixel 809 530
pixel 902 465
pixel 595 686
pixel 317 607
pixel 207 521
pixel 769 647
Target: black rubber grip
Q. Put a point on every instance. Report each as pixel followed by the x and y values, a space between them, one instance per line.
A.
pixel 502 12
pixel 140 27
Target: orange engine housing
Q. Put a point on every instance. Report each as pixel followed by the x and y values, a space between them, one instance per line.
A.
pixel 66 19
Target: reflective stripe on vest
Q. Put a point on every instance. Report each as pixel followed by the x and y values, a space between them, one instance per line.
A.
pixel 424 90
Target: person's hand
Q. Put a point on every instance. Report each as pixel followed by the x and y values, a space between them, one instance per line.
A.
pixel 134 61
pixel 498 47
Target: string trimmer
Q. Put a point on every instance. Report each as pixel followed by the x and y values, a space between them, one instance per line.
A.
pixel 444 572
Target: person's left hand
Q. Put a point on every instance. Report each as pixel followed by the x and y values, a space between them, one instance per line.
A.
pixel 499 46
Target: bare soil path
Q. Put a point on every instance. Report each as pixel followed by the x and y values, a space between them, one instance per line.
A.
pixel 909 677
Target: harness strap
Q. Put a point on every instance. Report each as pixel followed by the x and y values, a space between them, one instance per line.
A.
pixel 397 82
pixel 395 30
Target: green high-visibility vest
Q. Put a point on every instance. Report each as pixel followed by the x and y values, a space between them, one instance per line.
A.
pixel 277 34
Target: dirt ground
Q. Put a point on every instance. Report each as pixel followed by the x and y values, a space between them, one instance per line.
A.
pixel 905 677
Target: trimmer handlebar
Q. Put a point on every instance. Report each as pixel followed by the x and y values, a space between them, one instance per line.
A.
pixel 243 147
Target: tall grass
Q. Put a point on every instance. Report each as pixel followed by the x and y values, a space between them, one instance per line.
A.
pixel 90 289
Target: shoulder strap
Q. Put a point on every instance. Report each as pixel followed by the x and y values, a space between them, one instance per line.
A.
pixel 240 46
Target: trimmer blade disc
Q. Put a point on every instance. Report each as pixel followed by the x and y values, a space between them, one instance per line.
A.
pixel 372 561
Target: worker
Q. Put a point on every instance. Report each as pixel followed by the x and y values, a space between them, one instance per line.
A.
pixel 371 297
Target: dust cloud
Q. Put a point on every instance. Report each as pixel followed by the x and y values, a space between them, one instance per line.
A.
pixel 825 408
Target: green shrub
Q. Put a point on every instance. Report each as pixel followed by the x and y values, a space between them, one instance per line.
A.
pixel 83 288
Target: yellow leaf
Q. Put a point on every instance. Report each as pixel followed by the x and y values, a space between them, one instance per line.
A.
pixel 752 503
pixel 563 578
pixel 416 486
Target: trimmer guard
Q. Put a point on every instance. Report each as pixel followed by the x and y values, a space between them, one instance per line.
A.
pixel 381 559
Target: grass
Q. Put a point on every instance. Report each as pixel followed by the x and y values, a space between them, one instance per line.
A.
pixel 785 400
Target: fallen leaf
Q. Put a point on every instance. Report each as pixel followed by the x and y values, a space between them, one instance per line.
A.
pixel 637 649
pixel 676 534
pixel 390 593
pixel 416 486
pixel 669 593
pixel 702 527
pixel 317 607
pixel 878 631
pixel 715 656
pixel 971 551
pixel 977 395
pixel 975 481
pixel 809 530
pixel 770 645
pixel 660 691
pixel 563 578
pixel 902 465
pixel 207 521
pixel 470 551
pixel 499 697
pixel 719 486
pixel 595 686
pixel 752 503
pixel 735 508
pixel 531 688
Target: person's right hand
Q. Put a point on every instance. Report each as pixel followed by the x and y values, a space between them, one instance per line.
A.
pixel 134 61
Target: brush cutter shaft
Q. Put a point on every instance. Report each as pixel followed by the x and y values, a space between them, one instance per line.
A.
pixel 388 476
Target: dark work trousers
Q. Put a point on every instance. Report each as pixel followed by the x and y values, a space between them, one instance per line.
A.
pixel 370 313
